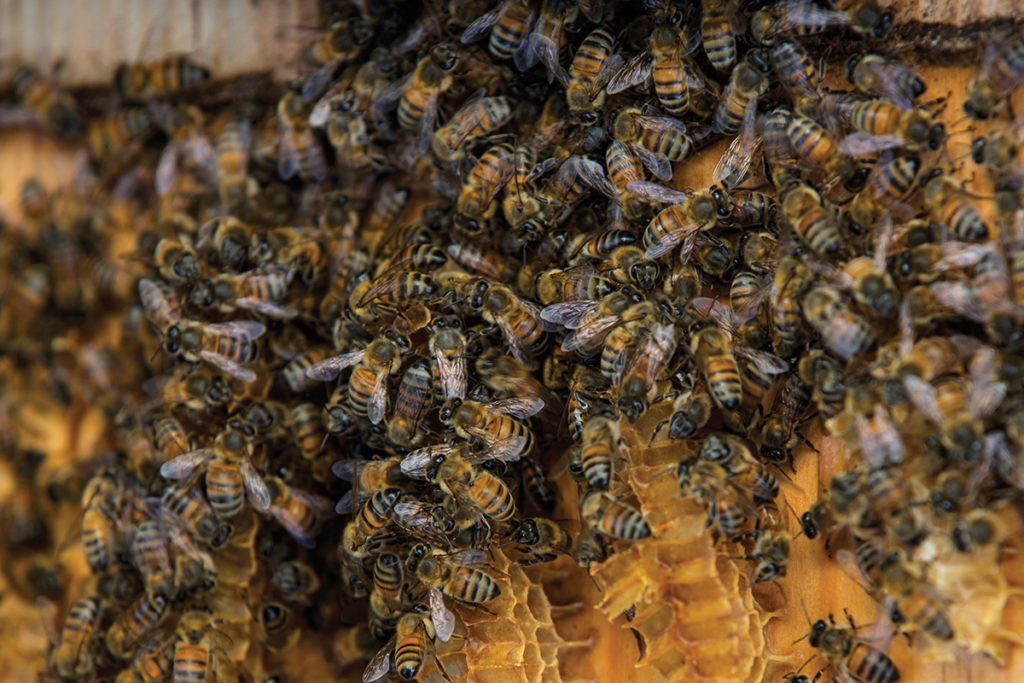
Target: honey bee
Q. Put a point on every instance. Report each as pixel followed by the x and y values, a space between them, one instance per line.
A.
pixel 167 76
pixel 601 442
pixel 299 512
pixel 111 136
pixel 728 509
pixel 367 388
pixel 805 210
pixel 585 389
pixel 656 140
pixel 888 185
pixel 307 428
pixel 850 655
pixel 648 363
pixel 624 167
pixel 101 501
pixel 842 331
pixel 150 555
pixel 196 514
pixel 233 145
pixel 230 475
pixel 278 629
pixel 476 118
pixel 459 576
pixel 367 478
pixel 949 205
pixel 414 633
pixel 152 661
pixel 494 424
pixel 612 518
pixel 226 346
pixel 817 147
pixel 388 579
pixel 745 86
pixel 541 540
pixel 875 75
pixel 1001 72
pixel 519 320
pixel 71 657
pixel 507 377
pixel 592 67
pixel 691 410
pixel 796 72
pixel 199 648
pixel 490 174
pixel 779 427
pixel 689 214
pixel 882 125
pixel 712 351
pixel 375 515
pixel 301 153
pixel 259 291
pixel 134 623
pixel 53 107
pixel 510 24
pixel 802 18
pixel 771 553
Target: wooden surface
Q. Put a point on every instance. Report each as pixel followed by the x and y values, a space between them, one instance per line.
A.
pixel 91 37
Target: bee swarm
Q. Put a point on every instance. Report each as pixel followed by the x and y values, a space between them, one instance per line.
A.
pixel 375 377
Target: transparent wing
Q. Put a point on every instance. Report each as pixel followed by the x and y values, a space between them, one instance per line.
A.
pixel 270 309
pixel 330 368
pixel 381 663
pixel 656 192
pixel 569 314
pixel 547 51
pixel 635 71
pixel 520 407
pixel 506 449
pixel 590 172
pixel 182 466
pixel 861 144
pixel 228 366
pixel 655 162
pixel 259 496
pixel 443 618
pixel 378 404
pixel 242 330
pixel 452 371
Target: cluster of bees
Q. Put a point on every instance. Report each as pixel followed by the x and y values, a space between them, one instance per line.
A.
pixel 447 267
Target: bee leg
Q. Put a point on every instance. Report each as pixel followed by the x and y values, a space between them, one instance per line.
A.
pixel 440 667
pixel 657 429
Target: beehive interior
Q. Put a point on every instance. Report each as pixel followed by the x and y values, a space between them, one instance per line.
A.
pixel 272 212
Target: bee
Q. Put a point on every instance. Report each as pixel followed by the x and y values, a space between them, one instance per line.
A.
pixel 689 214
pixel 612 518
pixel 375 515
pixel 101 501
pixel 816 146
pixel 388 579
pixel 53 107
pixel 110 136
pixel 226 346
pixel 474 487
pixel 745 86
pixel 230 240
pixel 802 18
pixel 949 205
pixel 656 140
pixel 540 539
pixel 727 509
pixel 578 283
pixel 490 174
pixel 233 145
pixel 71 657
pixel 510 24
pixel 805 210
pixel 507 377
pixel 712 350
pixel 585 389
pixel 306 426
pixel 600 441
pixel 458 576
pixel 850 655
pixel 259 291
pixel 538 486
pixel 301 153
pixel 230 475
pixel 476 118
pixel 649 361
pixel 1001 72
pixel 167 76
pixel 624 167
pixel 491 264
pixel 888 185
pixel 796 72
pixel 494 424
pixel 842 331
pixel 691 410
pixel 278 629
pixel 417 106
pixel 367 478
pixel 151 558
pixel 875 75
pixel 299 512
pixel 134 623
pixel 199 647
pixel 153 661
pixel 341 43
pixel 978 529
pixel 414 634
pixel 367 388
pixel 778 428
pixel 593 65
pixel 717 34
pixel 519 320
pixel 882 125
pixel 771 553
pixel 395 288
pixel 415 393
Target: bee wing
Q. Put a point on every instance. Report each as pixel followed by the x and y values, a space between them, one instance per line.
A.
pixel 635 71
pixel 347 470
pixel 228 366
pixel 958 255
pixel 868 431
pixel 647 191
pixel 848 563
pixel 520 407
pixel 329 368
pixel 590 172
pixel 612 66
pixel 378 404
pixel 525 57
pixel 255 487
pixel 768 363
pixel 292 526
pixel 506 449
pixel 861 144
pixel 888 77
pixel 794 14
pixel 388 98
pixel 480 26
pixel 534 312
pixel 733 165
pixel 588 332
pixel 546 50
pixel 470 557
pixel 287 153
pixel 672 239
pixel 181 467
pixel 568 314
pixel 985 398
pixel 593 10
pixel 148 289
pixel 426 130
pixel 417 463
pixel 242 330
pixel 959 297
pixel 321 112
pixel 381 663
pixel 414 517
pixel 167 168
pixel 655 162
pixel 318 80
pixel 922 395
pixel 452 371
pixel 268 308
pixel 443 618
